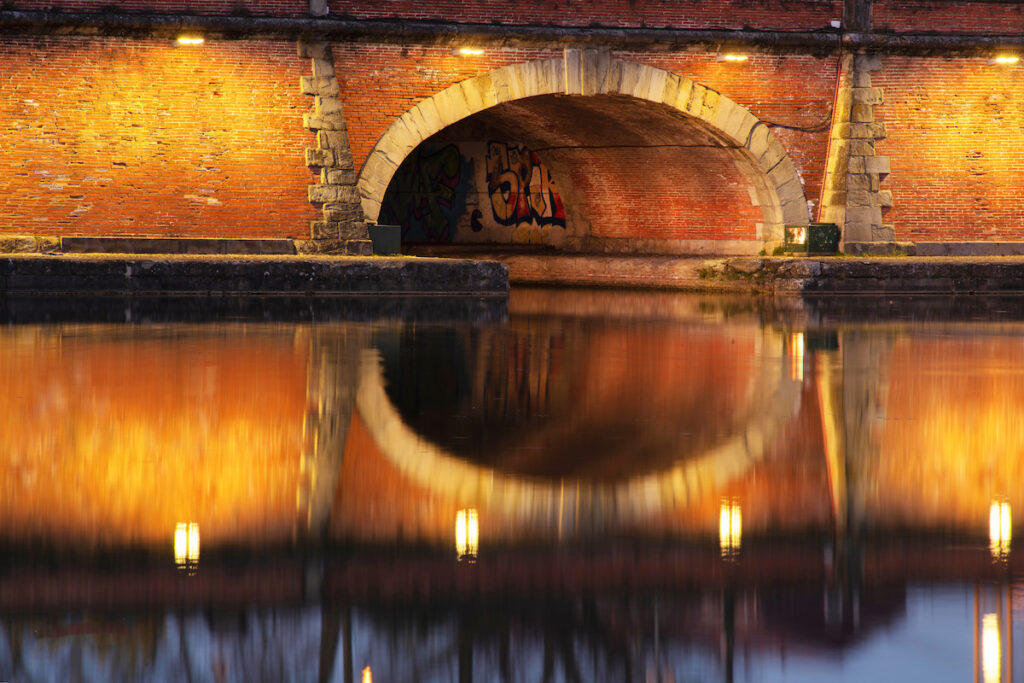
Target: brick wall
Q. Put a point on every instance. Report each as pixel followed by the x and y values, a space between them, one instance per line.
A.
pixel 286 8
pixel 957 160
pixel 994 17
pixel 141 137
pixel 756 14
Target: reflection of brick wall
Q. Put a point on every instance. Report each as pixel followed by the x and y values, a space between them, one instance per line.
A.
pixel 116 440
pixel 757 14
pixel 956 161
pixel 992 17
pixel 286 8
pixel 141 137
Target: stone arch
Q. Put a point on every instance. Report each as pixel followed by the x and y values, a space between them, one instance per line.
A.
pixel 539 502
pixel 759 155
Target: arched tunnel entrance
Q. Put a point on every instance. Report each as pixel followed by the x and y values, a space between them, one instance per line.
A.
pixel 646 162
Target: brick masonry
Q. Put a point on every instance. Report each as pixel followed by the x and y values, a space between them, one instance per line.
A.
pixel 249 138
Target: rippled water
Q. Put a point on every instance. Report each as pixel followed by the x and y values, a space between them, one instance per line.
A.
pixel 580 486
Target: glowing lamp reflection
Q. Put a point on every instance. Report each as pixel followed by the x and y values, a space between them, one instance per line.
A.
pixel 730 528
pixel 797 234
pixel 467 534
pixel 186 545
pixel 367 675
pixel 796 356
pixel 991 649
pixel 999 529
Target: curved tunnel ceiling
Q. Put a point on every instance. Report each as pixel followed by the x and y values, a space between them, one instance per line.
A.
pixel 627 168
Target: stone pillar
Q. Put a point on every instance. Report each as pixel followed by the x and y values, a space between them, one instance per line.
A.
pixel 852 197
pixel 343 229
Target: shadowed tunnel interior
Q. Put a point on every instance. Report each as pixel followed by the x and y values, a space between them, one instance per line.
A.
pixel 595 173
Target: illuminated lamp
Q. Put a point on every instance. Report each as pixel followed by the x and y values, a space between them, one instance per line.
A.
pixel 732 57
pixel 1004 59
pixel 468 52
pixel 190 40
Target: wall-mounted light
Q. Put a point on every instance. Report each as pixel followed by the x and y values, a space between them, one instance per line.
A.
pixel 367 675
pixel 468 51
pixel 191 40
pixel 467 534
pixel 732 57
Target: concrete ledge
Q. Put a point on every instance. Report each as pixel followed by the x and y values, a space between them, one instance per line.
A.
pixel 103 274
pixel 909 275
pixel 174 245
pixel 968 248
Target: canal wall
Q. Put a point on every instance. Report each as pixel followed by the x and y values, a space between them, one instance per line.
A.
pixel 610 127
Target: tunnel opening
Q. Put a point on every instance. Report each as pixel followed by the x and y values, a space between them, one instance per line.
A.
pixel 604 173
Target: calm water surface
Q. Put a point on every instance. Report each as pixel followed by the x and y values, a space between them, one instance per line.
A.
pixel 578 486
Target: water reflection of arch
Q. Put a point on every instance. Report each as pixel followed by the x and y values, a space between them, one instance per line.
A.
pixel 541 505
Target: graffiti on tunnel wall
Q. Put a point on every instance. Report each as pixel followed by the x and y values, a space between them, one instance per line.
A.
pixel 474 191
pixel 520 187
pixel 427 195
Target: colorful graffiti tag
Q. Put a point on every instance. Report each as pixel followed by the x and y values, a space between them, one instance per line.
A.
pixel 520 187
pixel 428 194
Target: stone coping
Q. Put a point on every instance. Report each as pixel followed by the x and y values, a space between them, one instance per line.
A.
pixel 254 274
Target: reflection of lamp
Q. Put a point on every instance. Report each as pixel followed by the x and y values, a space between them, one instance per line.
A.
pixel 730 528
pixel 796 356
pixel 467 534
pixel 367 675
pixel 999 529
pixel 991 651
pixel 186 545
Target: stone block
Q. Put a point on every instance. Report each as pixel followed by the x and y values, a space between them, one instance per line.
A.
pixel 758 140
pixel 861 79
pixel 857 198
pixel 862 148
pixel 879 165
pixel 323 68
pixel 451 105
pixel 868 96
pixel 858 181
pixel 49 245
pixel 307 86
pixel 314 50
pixel 343 213
pixel 343 158
pixel 857 164
pixel 334 121
pixel 884 198
pixel 694 104
pixel 866 215
pixel 323 230
pixel 595 65
pixel 833 199
pixel 867 63
pixel 17 244
pixel 319 158
pixel 354 230
pixel 332 139
pixel 338 176
pixel 361 247
pixel 773 154
pixel 332 194
pixel 862 113
pixel 326 86
pixel 326 105
pixel 710 105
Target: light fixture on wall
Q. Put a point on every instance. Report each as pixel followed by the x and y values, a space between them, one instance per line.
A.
pixel 468 51
pixel 732 57
pixel 1004 60
pixel 190 40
